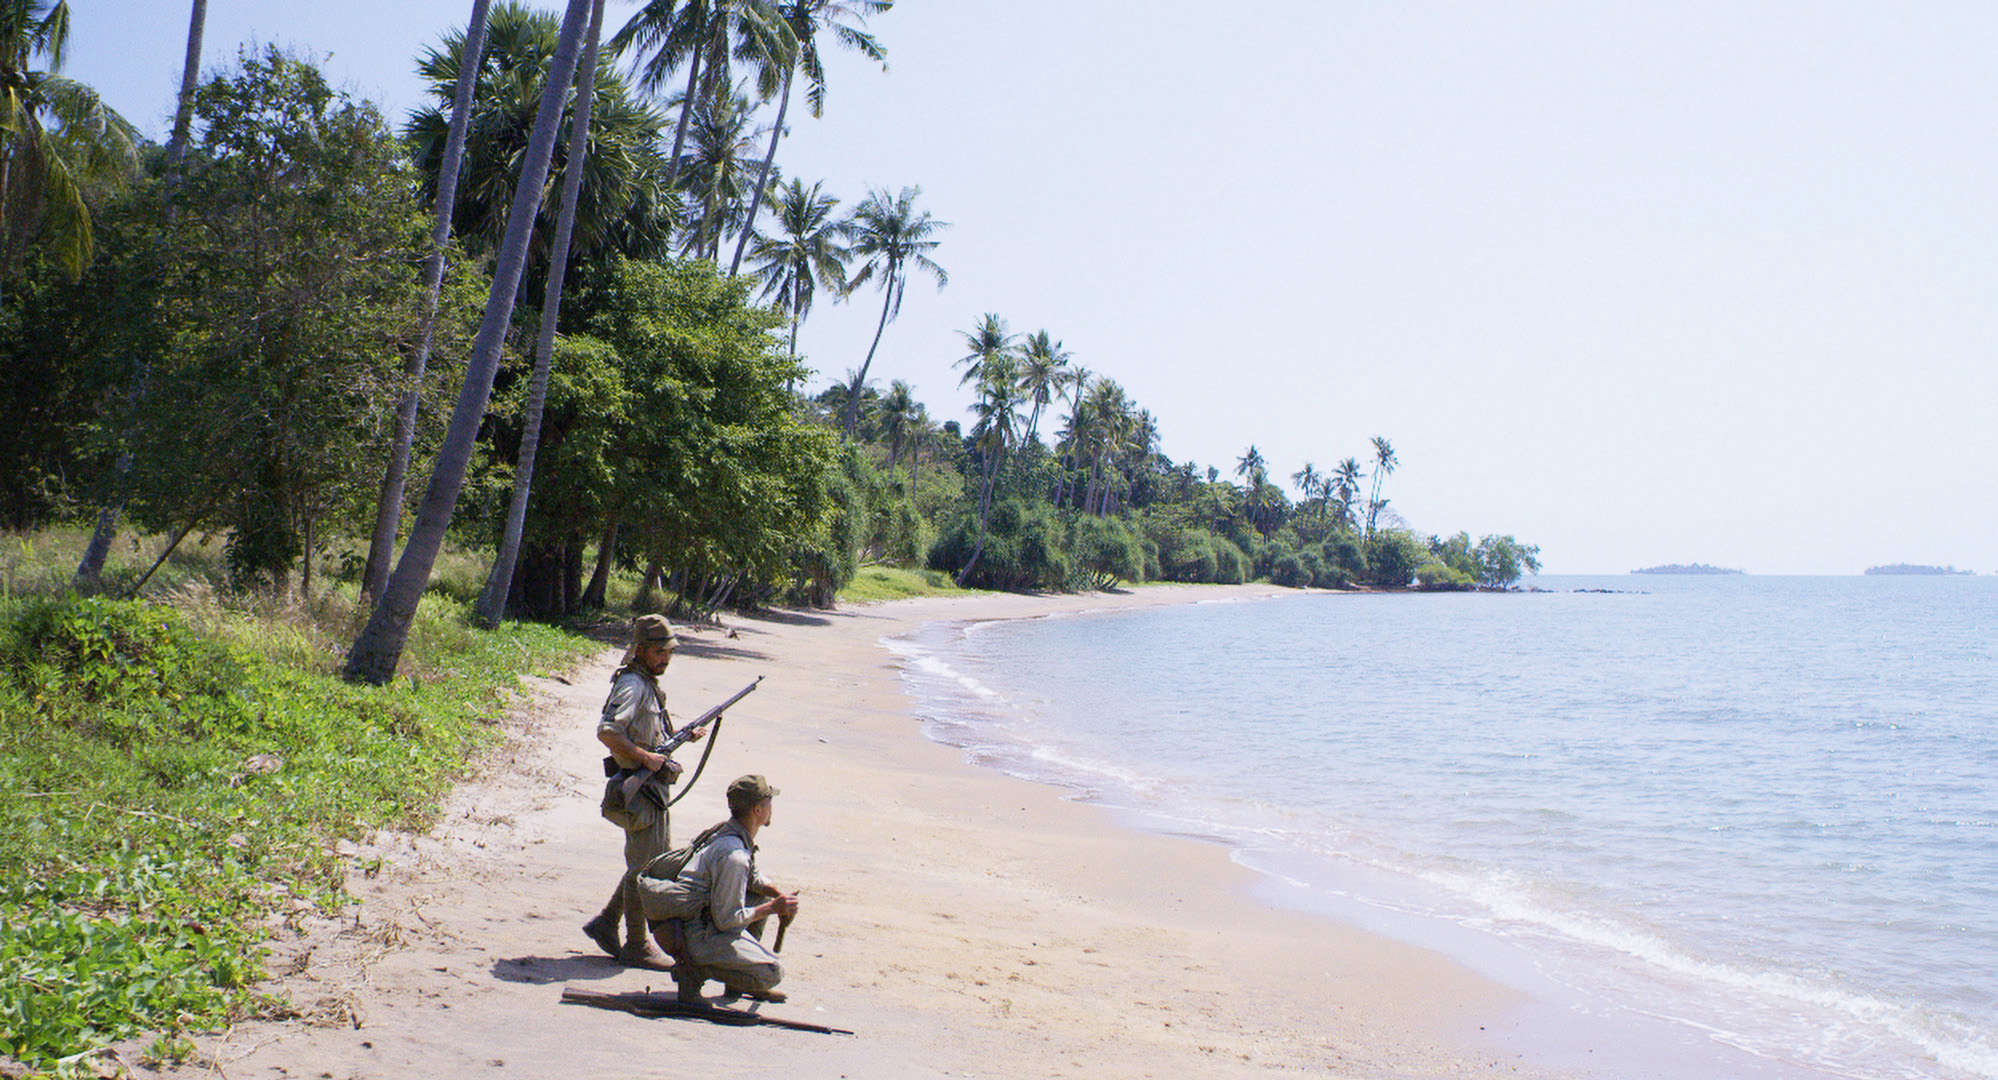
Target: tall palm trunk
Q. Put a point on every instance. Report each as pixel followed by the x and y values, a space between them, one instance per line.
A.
pixel 377 650
pixel 388 508
pixel 183 113
pixel 686 114
pixel 853 399
pixel 492 602
pixel 763 174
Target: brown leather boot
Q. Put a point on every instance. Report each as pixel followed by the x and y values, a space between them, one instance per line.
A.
pixel 603 931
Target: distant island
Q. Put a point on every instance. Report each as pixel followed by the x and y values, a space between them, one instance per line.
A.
pixel 1914 568
pixel 1695 568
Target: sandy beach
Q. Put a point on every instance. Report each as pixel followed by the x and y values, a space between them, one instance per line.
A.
pixel 960 921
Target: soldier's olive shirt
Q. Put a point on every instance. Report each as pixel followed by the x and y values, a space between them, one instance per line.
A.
pixel 636 710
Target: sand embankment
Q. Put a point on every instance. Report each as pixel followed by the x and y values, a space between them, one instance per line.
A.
pixel 964 923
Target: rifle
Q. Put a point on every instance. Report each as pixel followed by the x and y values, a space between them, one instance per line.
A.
pixel 675 740
pixel 783 924
pixel 653 1006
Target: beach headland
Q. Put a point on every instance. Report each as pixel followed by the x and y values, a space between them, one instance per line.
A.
pixel 963 922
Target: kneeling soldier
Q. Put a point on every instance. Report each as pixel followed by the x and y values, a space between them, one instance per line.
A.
pixel 720 936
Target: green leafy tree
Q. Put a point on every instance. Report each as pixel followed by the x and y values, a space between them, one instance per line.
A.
pixel 990 344
pixel 717 474
pixel 1500 561
pixel 898 410
pixel 289 294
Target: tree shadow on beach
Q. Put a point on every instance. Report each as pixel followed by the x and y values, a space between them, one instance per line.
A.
pixel 717 650
pixel 787 617
pixel 542 970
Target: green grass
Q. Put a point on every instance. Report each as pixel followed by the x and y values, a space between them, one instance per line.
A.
pixel 144 844
pixel 895 583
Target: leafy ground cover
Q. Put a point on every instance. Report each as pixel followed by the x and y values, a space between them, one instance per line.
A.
pixel 174 778
pixel 872 583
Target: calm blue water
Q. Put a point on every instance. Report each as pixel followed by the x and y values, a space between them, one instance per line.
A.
pixel 1714 825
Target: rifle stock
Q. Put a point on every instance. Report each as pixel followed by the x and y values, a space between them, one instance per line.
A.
pixel 677 739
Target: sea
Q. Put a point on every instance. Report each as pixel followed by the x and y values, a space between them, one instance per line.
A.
pixel 1708 826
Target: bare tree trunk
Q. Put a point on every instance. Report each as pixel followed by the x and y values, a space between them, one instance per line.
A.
pixel 305 573
pixel 90 569
pixel 763 176
pixel 388 510
pixel 646 587
pixel 378 649
pixel 600 577
pixel 492 602
pixel 161 561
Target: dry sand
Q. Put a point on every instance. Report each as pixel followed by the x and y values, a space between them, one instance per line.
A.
pixel 962 922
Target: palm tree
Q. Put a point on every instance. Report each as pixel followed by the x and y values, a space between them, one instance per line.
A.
pixel 898 416
pixel 705 34
pixel 1074 383
pixel 893 238
pixel 388 509
pixel 1310 484
pixel 805 19
pixel 1043 372
pixel 806 255
pixel 990 344
pixel 56 137
pixel 1107 423
pixel 1251 464
pixel 623 181
pixel 717 172
pixel 1384 463
pixel 378 648
pixel 998 413
pixel 1345 486
pixel 922 432
pixel 492 600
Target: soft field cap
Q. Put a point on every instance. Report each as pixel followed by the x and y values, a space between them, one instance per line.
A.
pixel 746 791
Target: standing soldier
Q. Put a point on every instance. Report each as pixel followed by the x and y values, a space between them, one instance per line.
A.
pixel 634 722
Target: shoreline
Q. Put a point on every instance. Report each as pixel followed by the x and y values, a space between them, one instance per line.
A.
pixel 963 921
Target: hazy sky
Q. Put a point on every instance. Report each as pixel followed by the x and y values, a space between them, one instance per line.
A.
pixel 1652 283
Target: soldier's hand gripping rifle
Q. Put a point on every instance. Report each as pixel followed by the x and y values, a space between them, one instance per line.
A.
pixel 674 741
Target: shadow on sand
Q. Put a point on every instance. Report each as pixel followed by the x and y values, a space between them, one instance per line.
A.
pixel 542 970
